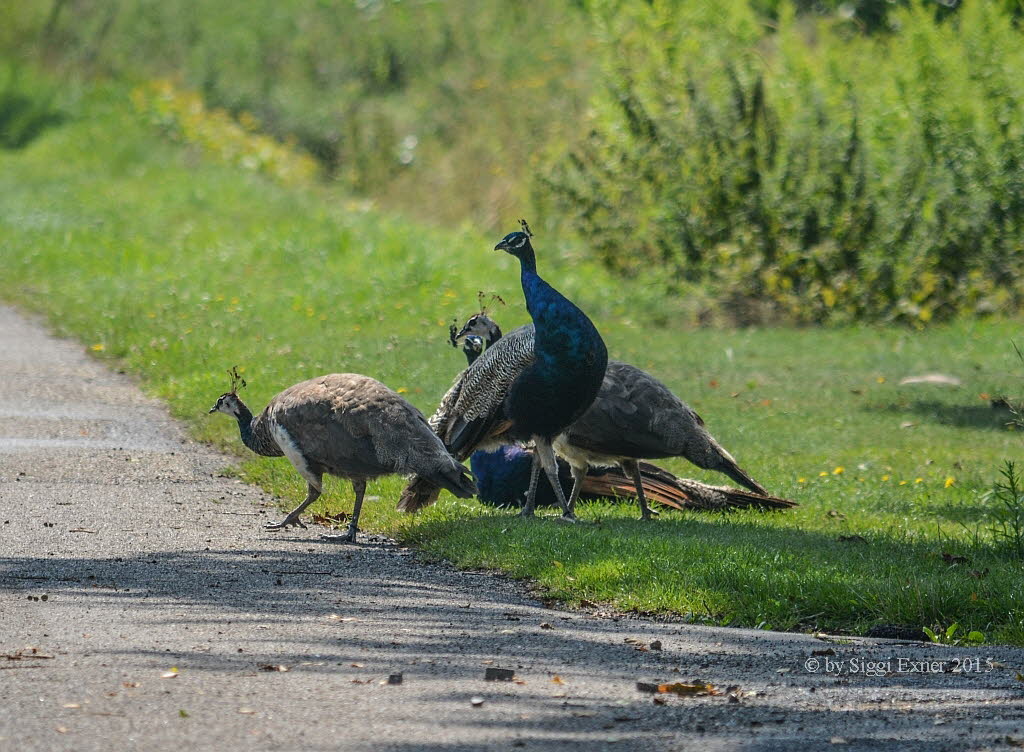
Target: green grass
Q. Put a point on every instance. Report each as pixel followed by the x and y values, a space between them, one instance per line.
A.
pixel 177 268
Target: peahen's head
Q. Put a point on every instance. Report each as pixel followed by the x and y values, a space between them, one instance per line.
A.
pixel 230 404
pixel 482 326
pixel 517 243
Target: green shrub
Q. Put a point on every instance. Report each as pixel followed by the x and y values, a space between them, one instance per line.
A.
pixel 806 173
pixel 26 109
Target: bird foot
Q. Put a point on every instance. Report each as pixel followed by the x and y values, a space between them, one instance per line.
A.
pixel 286 522
pixel 650 514
pixel 569 519
pixel 349 536
pixel 526 512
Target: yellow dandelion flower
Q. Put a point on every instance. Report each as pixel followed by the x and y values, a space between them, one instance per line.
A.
pixel 950 481
pixel 839 470
pixel 98 347
pixel 357 328
pixel 918 480
pixel 401 390
pixel 823 473
pixel 880 379
pixel 903 483
pixel 151 315
pixel 885 477
pixel 801 480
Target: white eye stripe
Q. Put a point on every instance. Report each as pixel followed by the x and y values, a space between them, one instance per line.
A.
pixel 521 243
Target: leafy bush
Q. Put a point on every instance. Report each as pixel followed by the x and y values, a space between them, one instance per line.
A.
pixel 810 173
pixel 26 110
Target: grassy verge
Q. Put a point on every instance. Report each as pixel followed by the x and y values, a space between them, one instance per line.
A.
pixel 178 268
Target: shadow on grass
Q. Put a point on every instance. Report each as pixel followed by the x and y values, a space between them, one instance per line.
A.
pixel 736 570
pixel 985 416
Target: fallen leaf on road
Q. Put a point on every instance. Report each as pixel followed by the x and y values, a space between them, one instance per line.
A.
pixel 71 705
pixel 687 690
pixel 61 729
pixel 556 679
pixel 82 530
pixel 183 713
pixel 171 674
pixel 246 711
pixel 356 665
pixel 476 702
pixel 272 667
pixel 130 685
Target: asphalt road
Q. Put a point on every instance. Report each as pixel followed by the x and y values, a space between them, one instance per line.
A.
pixel 142 607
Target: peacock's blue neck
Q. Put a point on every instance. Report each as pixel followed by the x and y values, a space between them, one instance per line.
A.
pixel 563 332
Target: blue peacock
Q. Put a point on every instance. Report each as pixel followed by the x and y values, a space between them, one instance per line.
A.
pixel 515 394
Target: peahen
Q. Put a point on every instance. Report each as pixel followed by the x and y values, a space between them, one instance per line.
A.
pixel 634 417
pixel 514 394
pixel 346 425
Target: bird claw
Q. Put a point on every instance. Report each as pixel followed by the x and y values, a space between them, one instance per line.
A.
pixel 567 519
pixel 283 524
pixel 348 536
pixel 650 515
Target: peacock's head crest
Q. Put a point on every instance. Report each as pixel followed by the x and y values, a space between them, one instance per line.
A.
pixel 517 242
pixel 229 402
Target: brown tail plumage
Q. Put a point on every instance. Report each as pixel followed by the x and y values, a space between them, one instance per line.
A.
pixel 679 493
pixel 418 493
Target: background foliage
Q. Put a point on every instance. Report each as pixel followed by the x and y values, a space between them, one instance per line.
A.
pixel 810 173
pixel 795 160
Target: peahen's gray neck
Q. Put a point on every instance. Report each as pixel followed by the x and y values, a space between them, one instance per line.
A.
pixel 255 433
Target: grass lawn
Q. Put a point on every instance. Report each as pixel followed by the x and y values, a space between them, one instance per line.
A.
pixel 176 268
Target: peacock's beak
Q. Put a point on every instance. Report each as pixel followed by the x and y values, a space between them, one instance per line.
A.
pixel 212 410
pixel 502 246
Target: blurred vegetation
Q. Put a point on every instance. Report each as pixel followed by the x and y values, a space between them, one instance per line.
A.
pixel 434 108
pixel 812 173
pixel 26 107
pixel 749 160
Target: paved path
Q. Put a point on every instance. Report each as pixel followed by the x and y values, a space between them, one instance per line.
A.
pixel 125 555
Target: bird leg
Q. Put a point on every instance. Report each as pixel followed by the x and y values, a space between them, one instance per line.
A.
pixel 293 516
pixel 578 474
pixel 349 536
pixel 632 468
pixel 550 465
pixel 531 493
